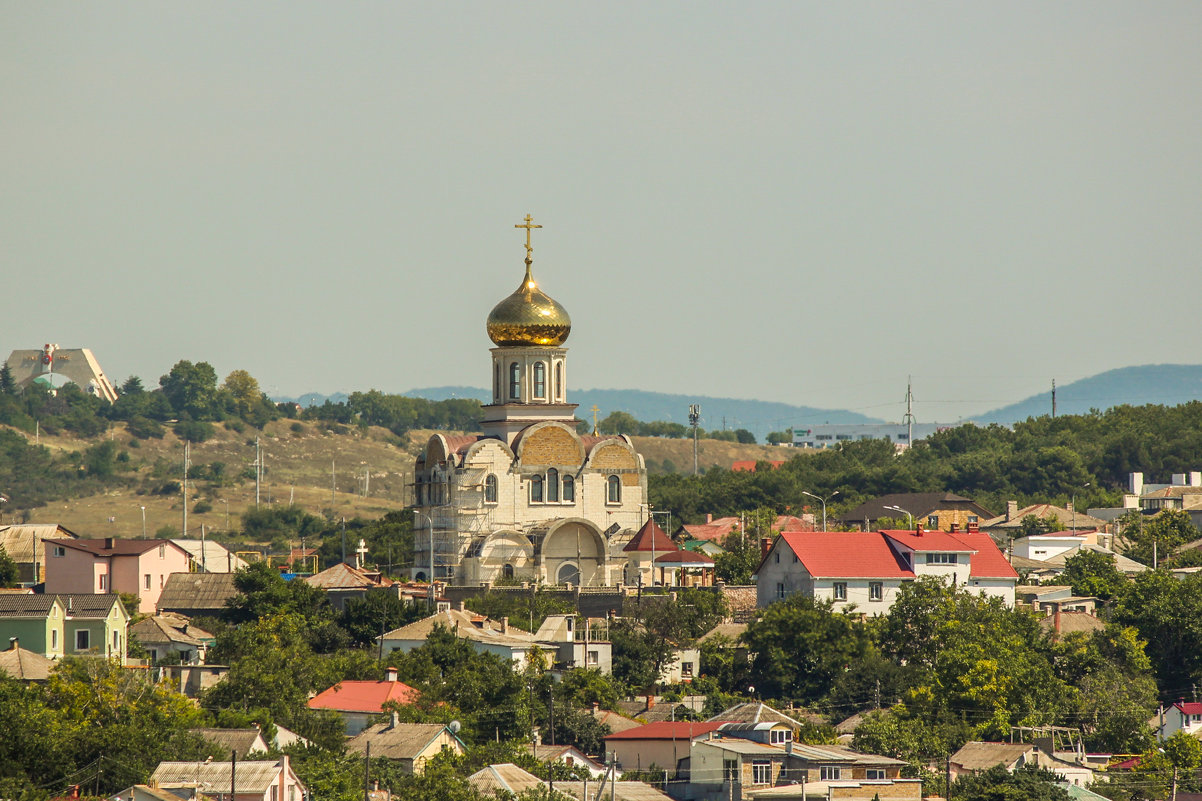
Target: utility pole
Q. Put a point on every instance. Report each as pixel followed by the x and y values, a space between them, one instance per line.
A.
pixel 908 419
pixel 332 484
pixel 694 418
pixel 187 452
pixel 1053 399
pixel 258 469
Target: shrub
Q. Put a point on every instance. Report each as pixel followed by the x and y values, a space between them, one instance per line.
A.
pixel 144 428
pixel 201 507
pixel 193 430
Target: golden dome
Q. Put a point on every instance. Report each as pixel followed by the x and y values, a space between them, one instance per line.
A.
pixel 529 317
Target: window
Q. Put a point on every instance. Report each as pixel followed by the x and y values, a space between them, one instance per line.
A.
pixel 843 436
pixel 104 582
pixel 507 571
pixel 796 559
pixel 60 550
pixel 932 521
pixel 840 590
pixel 941 559
pixel 569 489
pixel 824 437
pixel 116 642
pixel 163 551
pixel 515 381
pixel 540 380
pixel 730 770
pixel 777 736
pixel 613 487
pixel 147 582
pixel 777 555
pixel 829 773
pixel 875 590
pixel 973 519
pixel 536 489
pixel 552 486
pixel 686 669
pixel 780 591
pixel 594 657
pixel 54 639
pixel 275 793
pixel 761 772
pixel 83 640
pixel 874 774
pixel 490 488
pixel 559 381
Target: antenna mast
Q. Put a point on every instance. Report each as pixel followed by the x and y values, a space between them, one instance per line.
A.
pixel 908 419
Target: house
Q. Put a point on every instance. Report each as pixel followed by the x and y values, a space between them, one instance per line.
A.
pixel 975 757
pixel 25 544
pixel 758 712
pixel 137 567
pixel 1048 546
pixel 357 701
pixel 934 511
pixel 653 708
pixel 682 666
pixel 342 581
pixel 143 792
pixel 211 557
pixel 243 742
pixel 197 594
pixel 662 744
pixel 411 745
pixel 576 645
pixel 1058 624
pixel 257 780
pixel 1050 568
pixel 24 665
pixel 614 720
pixel 865 570
pixel 647 545
pixel 506 780
pixel 716 529
pixel 1005 526
pixel 172 635
pixel 1048 599
pixel 569 755
pixel 66 625
pixel 1181 716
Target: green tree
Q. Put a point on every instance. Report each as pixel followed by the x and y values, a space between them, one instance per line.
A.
pixel 377 612
pixel 1027 783
pixel 132 386
pixel 1093 573
pixel 1154 539
pixel 744 437
pixel 191 389
pixel 8 386
pixel 9 572
pixel 1167 613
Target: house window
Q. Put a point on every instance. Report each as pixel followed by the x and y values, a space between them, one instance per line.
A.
pixel 594 657
pixel 116 642
pixel 507 571
pixel 540 380
pixel 840 590
pixel 780 591
pixel 873 774
pixel 552 486
pixel 730 770
pixel 147 582
pixel 569 489
pixel 829 773
pixel 973 519
pixel 54 639
pixel 490 488
pixel 932 521
pixel 686 669
pixel 941 559
pixel 163 551
pixel 536 489
pixel 780 736
pixel 104 582
pixel 515 381
pixel 761 772
pixel 83 640
pixel 777 555
pixel 60 550
pixel 275 793
pixel 875 590
pixel 613 490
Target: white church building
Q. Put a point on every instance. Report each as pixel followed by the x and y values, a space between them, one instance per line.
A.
pixel 530 499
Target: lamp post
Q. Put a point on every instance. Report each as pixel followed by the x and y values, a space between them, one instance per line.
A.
pixel 143 508
pixel 823 502
pixel 909 517
pixel 227 514
pixel 417 514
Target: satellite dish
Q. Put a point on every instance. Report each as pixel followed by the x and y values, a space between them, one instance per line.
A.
pixel 454 727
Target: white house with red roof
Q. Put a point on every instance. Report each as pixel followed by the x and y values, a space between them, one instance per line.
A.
pixel 358 701
pixel 662 744
pixel 865 570
pixel 1183 716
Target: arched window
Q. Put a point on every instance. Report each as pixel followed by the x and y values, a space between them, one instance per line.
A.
pixel 490 488
pixel 559 381
pixel 569 489
pixel 568 574
pixel 552 486
pixel 496 382
pixel 613 490
pixel 536 489
pixel 507 572
pixel 540 380
pixel 515 381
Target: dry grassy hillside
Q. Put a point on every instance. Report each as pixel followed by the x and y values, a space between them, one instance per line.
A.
pixel 298 471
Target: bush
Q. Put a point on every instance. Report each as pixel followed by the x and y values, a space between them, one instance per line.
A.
pixel 144 428
pixel 193 430
pixel 201 507
pixel 297 428
pixel 237 426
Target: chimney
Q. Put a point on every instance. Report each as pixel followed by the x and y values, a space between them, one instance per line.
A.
pixel 765 546
pixel 650 701
pixel 955 528
pixel 13 643
pixel 1135 483
pixel 918 527
pixel 1011 510
pixel 461 606
pixel 505 625
pixel 394 720
pixel 390 674
pixel 709 517
pixel 1195 478
pixel 973 527
pixel 108 543
pixel 596 706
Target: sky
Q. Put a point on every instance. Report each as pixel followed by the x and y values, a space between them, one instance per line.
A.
pixel 804 202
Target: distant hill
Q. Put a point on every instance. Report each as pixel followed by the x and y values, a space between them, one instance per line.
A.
pixel 758 417
pixel 1166 384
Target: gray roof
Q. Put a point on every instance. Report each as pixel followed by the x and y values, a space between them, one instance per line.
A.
pixel 732 630
pixel 918 504
pixel 169 629
pixel 244 741
pixel 468 625
pixel 14 604
pixel 400 741
pixel 253 776
pixel 983 756
pixel 757 712
pixel 78 605
pixel 505 777
pixel 197 592
pixel 25 665
pixel 82 605
pixel 18 540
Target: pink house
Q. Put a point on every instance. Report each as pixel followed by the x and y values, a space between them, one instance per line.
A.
pixel 139 567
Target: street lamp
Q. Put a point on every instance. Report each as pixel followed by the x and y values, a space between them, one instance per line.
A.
pixel 143 522
pixel 227 514
pixel 909 517
pixel 417 514
pixel 823 501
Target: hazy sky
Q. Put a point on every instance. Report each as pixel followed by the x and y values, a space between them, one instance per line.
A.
pixel 803 202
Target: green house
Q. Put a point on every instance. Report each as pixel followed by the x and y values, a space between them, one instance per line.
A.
pixel 35 621
pixel 66 625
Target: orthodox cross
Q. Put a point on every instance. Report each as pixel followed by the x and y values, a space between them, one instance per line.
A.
pixel 528 225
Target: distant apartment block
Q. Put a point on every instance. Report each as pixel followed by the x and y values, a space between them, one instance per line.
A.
pixel 831 434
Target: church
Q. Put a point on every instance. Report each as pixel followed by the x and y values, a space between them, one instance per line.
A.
pixel 530 499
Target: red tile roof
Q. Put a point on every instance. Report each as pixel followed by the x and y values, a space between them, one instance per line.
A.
pixel 927 541
pixel 748 465
pixel 852 554
pixel 114 547
pixel 688 558
pixel 363 696
pixel 651 538
pixel 1189 708
pixel 988 561
pixel 668 730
